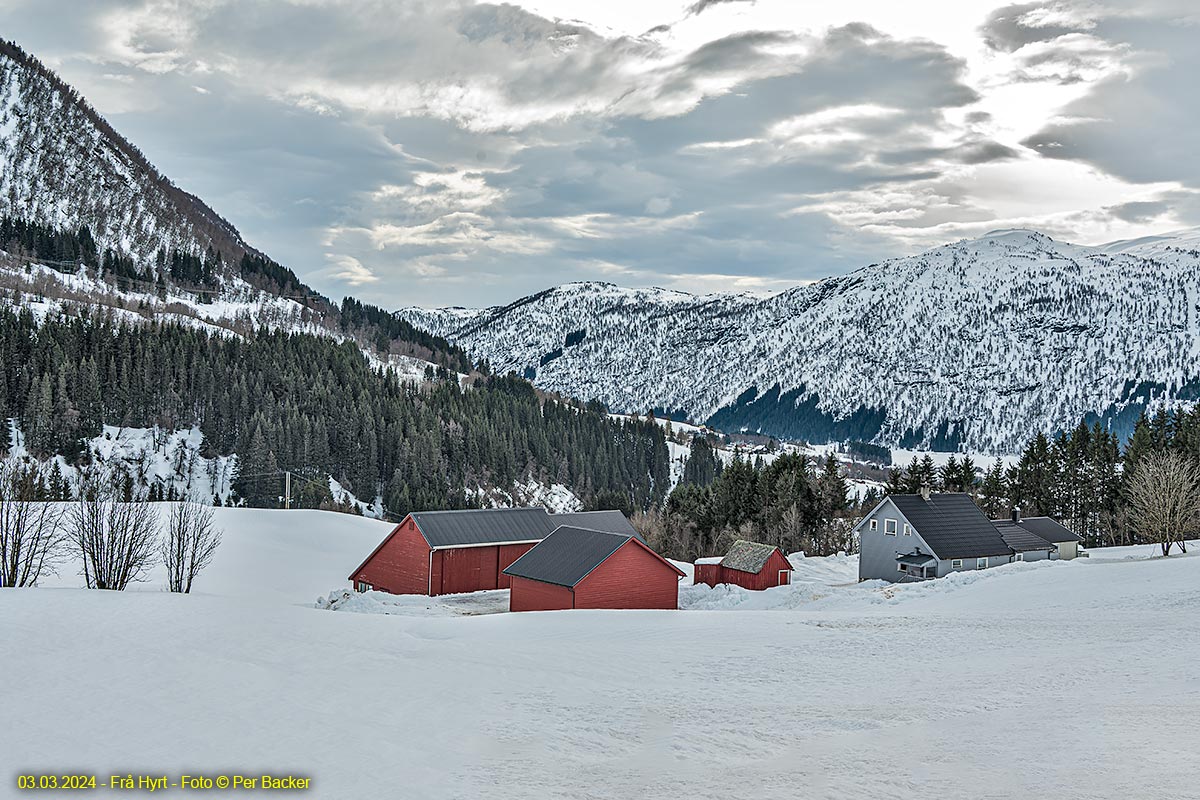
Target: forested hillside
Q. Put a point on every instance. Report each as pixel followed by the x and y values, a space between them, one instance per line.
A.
pixel 305 403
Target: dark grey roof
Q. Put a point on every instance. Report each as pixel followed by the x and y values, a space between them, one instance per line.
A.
pixel 916 559
pixel 747 556
pixel 606 521
pixel 567 555
pixel 952 525
pixel 1046 528
pixel 1019 539
pixel 483 526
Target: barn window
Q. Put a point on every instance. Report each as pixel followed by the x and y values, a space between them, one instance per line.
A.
pixel 874 524
pixel 889 527
pixel 981 563
pixel 956 563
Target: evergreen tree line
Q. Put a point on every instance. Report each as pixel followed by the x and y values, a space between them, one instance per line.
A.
pixel 305 403
pixel 792 501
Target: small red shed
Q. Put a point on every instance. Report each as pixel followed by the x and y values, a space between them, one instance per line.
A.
pixel 448 552
pixel 747 564
pixel 578 568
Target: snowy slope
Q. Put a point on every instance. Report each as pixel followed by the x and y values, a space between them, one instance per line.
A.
pixel 62 165
pixel 973 344
pixel 1084 669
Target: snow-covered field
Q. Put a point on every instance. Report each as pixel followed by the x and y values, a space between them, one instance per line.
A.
pixel 1066 680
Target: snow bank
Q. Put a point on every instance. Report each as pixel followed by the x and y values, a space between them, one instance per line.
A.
pixel 415 605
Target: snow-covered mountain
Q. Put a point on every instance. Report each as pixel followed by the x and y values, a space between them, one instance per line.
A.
pixel 63 166
pixel 977 344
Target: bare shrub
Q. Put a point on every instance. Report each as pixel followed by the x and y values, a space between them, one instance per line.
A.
pixel 190 544
pixel 116 540
pixel 31 531
pixel 1164 499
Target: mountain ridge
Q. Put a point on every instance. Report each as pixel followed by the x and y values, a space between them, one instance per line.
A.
pixel 980 342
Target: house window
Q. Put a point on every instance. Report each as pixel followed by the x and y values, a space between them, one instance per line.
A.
pixel 1020 556
pixel 956 563
pixel 889 527
pixel 874 524
pixel 981 563
pixel 363 586
pixel 901 568
pixel 907 532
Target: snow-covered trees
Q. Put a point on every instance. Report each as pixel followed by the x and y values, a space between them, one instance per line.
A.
pixel 31 532
pixel 1164 499
pixel 189 545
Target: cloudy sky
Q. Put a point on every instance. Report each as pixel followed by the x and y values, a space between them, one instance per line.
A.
pixel 459 153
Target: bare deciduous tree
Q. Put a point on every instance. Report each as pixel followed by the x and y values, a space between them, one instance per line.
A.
pixel 1164 499
pixel 115 539
pixel 31 531
pixel 190 544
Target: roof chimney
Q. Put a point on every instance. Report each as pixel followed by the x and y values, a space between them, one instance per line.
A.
pixel 1016 514
pixel 925 491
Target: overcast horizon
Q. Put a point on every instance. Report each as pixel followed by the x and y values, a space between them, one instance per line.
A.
pixel 462 153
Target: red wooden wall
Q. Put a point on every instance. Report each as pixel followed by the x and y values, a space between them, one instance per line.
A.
pixel 474 569
pixel 400 565
pixel 707 573
pixel 713 574
pixel 632 577
pixel 530 595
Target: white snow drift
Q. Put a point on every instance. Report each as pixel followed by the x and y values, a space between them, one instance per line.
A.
pixel 1065 679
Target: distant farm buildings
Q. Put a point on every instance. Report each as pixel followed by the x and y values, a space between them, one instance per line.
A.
pixel 919 536
pixel 578 568
pixel 747 564
pixel 449 552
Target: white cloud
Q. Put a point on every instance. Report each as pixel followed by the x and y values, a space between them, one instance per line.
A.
pixel 464 152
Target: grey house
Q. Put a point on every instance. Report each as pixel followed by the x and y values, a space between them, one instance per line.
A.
pixel 1063 544
pixel 917 536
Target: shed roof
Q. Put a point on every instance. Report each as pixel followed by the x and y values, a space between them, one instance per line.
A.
pixel 1019 539
pixel 569 554
pixel 746 556
pixel 916 559
pixel 951 525
pixel 1046 528
pixel 482 526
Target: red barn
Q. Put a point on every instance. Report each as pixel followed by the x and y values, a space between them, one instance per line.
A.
pixel 448 552
pixel 747 564
pixel 577 568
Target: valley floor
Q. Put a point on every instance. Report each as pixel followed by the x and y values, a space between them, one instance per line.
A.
pixel 1066 680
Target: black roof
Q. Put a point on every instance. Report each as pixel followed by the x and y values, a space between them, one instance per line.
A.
pixel 747 556
pixel 567 555
pixel 607 521
pixel 952 525
pixel 1019 539
pixel 495 525
pixel 482 526
pixel 916 559
pixel 1045 528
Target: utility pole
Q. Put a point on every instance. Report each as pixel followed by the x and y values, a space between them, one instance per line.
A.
pixel 287 489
